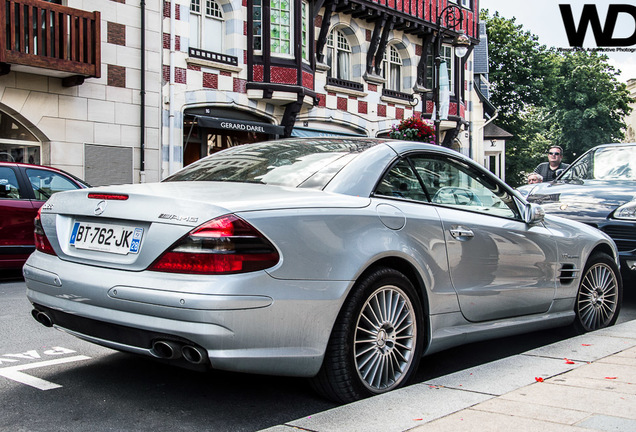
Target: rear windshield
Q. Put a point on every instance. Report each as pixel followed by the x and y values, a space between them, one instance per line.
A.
pixel 294 163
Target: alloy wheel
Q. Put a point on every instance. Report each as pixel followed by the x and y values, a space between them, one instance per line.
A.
pixel 598 297
pixel 385 336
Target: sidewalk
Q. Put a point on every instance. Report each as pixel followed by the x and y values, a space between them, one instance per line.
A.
pixel 579 384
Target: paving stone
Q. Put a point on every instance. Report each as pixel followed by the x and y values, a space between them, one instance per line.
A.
pixel 585 348
pixel 609 424
pixel 609 372
pixel 502 376
pixel 532 411
pixel 593 401
pixel 396 411
pixel 472 420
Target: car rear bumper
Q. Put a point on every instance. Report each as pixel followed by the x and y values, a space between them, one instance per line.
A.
pixel 284 332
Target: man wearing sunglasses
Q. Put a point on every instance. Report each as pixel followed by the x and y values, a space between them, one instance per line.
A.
pixel 548 170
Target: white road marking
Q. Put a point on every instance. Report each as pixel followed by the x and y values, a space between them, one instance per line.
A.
pixel 14 372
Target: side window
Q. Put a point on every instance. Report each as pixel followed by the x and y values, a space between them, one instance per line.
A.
pixel 455 184
pixel 401 182
pixel 8 184
pixel 46 183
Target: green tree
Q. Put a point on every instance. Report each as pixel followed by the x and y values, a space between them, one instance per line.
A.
pixel 589 104
pixel 545 97
pixel 520 69
pixel 521 75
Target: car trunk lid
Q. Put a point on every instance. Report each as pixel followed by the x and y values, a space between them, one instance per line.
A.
pixel 130 226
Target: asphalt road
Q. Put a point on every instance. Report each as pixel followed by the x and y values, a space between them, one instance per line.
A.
pixel 52 381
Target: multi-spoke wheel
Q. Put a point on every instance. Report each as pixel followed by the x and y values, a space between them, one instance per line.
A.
pixel 384 340
pixel 377 339
pixel 600 293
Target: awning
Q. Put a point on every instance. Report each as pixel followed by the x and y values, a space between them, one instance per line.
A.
pixel 303 132
pixel 238 125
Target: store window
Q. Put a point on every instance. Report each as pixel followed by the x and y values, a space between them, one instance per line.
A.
pixel 392 69
pixel 206 25
pixel 339 55
pixel 17 143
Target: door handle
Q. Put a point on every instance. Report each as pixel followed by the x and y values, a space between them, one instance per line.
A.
pixel 461 233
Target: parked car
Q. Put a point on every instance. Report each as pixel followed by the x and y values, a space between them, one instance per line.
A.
pixel 343 260
pixel 23 189
pixel 598 189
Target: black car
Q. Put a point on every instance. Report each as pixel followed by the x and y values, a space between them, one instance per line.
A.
pixel 599 189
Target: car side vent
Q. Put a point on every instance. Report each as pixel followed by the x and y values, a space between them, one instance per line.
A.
pixel 567 274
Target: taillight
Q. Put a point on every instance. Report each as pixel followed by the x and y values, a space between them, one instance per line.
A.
pixel 224 245
pixel 41 242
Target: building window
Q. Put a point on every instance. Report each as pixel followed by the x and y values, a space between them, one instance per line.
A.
pixel 206 25
pixel 305 30
pixel 339 55
pixel 447 56
pixel 391 69
pixel 466 4
pixel 257 23
pixel 280 21
pixel 280 26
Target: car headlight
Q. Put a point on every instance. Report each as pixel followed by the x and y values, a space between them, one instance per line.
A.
pixel 626 211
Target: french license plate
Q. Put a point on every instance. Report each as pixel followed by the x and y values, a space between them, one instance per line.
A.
pixel 119 239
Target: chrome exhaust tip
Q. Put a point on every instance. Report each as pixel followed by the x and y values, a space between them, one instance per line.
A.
pixel 193 354
pixel 42 318
pixel 166 350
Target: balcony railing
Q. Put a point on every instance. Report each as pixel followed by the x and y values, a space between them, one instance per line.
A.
pixel 41 35
pixel 349 85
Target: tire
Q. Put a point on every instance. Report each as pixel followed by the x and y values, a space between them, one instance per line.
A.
pixel 600 293
pixel 377 339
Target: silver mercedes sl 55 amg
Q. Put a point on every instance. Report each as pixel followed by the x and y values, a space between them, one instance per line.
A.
pixel 343 260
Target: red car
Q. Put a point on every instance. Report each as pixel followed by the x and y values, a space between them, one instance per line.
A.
pixel 23 190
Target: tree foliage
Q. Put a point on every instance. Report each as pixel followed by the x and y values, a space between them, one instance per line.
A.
pixel 589 104
pixel 545 97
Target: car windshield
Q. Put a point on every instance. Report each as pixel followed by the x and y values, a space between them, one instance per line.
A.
pixel 294 163
pixel 604 163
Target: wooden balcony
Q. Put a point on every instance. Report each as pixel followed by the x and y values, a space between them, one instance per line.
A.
pixel 49 39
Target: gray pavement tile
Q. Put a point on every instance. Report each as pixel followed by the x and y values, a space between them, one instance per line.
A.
pixel 631 353
pixel 396 411
pixel 626 330
pixel 595 384
pixel 609 372
pixel 505 375
pixel 585 348
pixel 619 360
pixel 472 420
pixel 593 401
pixel 532 411
pixel 609 424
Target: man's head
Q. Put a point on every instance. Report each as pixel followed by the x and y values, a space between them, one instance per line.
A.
pixel 534 178
pixel 555 155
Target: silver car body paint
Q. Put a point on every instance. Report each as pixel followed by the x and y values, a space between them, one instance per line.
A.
pixel 278 321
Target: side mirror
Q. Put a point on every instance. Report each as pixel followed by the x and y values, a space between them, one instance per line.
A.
pixel 534 213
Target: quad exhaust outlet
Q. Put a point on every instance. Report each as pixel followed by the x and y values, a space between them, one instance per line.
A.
pixel 170 350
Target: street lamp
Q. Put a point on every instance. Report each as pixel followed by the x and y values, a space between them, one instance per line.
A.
pixel 453 17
